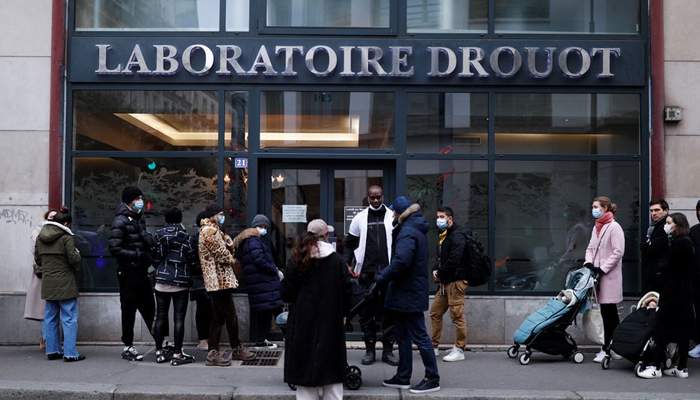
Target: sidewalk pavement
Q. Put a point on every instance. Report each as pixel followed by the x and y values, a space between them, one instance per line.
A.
pixel 487 373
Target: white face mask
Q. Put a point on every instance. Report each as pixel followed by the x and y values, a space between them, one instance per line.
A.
pixel 441 224
pixel 597 213
pixel 262 231
pixel 668 229
pixel 375 209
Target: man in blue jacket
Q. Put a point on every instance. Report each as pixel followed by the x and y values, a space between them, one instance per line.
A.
pixel 406 281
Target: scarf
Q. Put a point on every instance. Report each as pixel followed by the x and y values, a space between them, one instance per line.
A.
pixel 600 222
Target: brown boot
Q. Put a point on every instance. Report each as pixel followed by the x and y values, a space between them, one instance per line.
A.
pixel 241 353
pixel 215 358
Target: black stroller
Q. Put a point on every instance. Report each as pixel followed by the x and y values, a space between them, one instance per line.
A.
pixel 545 330
pixel 632 338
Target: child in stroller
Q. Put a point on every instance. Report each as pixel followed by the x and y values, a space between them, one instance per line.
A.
pixel 545 330
pixel 353 375
pixel 632 338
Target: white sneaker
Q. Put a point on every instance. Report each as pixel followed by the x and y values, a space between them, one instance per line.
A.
pixel 650 372
pixel 600 356
pixel 674 371
pixel 437 351
pixel 456 354
pixel 695 353
pixel 615 356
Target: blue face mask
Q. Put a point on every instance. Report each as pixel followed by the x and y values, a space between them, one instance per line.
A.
pixel 222 219
pixel 597 213
pixel 138 205
pixel 441 224
pixel 262 231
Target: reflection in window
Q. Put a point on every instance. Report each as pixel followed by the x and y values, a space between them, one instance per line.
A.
pixel 187 183
pixel 328 13
pixel 237 15
pixel 236 121
pixel 328 120
pixel 147 15
pixel 447 16
pixel 567 123
pixel 445 123
pixel 544 223
pixel 146 120
pixel 568 16
pixel 459 184
pixel 236 195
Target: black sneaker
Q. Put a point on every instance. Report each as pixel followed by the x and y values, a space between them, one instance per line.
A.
pixel 131 354
pixel 426 386
pixel 54 356
pixel 396 383
pixel 73 359
pixel 181 359
pixel 163 356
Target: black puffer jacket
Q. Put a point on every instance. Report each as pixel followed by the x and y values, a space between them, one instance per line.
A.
pixel 695 237
pixel 655 258
pixel 129 242
pixel 449 267
pixel 174 257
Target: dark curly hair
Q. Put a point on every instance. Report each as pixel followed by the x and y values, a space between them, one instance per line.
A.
pixel 301 255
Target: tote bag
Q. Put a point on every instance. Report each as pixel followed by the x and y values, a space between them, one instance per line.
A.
pixel 593 322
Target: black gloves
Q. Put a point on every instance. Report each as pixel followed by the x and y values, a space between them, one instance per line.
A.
pixel 594 268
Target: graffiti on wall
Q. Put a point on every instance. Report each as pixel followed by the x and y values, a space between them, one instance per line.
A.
pixel 16 216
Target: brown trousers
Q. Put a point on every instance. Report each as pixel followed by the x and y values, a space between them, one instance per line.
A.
pixel 450 295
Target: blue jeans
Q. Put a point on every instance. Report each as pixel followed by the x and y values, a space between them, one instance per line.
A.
pixel 411 327
pixel 68 311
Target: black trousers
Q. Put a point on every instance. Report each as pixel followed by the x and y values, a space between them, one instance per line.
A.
pixel 660 354
pixel 223 312
pixel 179 300
pixel 261 323
pixel 135 294
pixel 202 316
pixel 610 321
pixel 373 315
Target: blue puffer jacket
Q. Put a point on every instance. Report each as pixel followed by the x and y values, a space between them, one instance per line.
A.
pixel 407 274
pixel 261 278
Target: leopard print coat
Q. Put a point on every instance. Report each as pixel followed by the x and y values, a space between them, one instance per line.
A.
pixel 215 255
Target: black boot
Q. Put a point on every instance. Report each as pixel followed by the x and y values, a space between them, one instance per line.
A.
pixel 369 357
pixel 388 354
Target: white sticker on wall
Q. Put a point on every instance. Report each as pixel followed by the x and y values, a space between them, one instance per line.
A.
pixel 294 213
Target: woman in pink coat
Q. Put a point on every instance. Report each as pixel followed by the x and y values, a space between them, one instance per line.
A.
pixel 604 256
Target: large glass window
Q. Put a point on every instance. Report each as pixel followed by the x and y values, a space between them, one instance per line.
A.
pixel 446 123
pixel 544 223
pixel 237 15
pixel 236 121
pixel 147 15
pixel 459 184
pixel 447 16
pixel 187 183
pixel 236 193
pixel 328 13
pixel 567 16
pixel 328 119
pixel 152 120
pixel 567 123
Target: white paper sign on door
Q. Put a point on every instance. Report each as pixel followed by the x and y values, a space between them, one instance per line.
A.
pixel 294 213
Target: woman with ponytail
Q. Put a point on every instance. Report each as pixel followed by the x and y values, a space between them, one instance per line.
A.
pixel 604 257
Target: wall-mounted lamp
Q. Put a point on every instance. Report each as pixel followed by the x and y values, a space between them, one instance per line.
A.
pixel 227 179
pixel 277 180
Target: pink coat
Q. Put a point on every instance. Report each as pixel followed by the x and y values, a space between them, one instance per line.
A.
pixel 609 259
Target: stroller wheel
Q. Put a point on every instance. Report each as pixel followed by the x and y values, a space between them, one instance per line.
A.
pixel 292 386
pixel 354 370
pixel 513 352
pixel 638 368
pixel 606 362
pixel 525 358
pixel 353 381
pixel 578 357
pixel 668 362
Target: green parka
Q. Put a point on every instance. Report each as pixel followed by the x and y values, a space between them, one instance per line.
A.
pixel 58 262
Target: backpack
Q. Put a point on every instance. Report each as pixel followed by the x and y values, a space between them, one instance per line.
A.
pixel 475 263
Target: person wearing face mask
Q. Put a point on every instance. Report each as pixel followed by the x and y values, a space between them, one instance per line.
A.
pixel 604 257
pixel 655 247
pixel 58 260
pixel 675 319
pixel 131 245
pixel 262 279
pixel 217 261
pixel 449 273
pixel 367 250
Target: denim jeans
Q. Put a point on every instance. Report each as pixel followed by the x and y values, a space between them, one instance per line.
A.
pixel 67 310
pixel 410 327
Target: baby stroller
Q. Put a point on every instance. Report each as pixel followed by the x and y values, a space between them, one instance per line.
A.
pixel 353 375
pixel 545 330
pixel 632 338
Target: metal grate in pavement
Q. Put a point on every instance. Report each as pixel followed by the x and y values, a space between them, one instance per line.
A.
pixel 264 358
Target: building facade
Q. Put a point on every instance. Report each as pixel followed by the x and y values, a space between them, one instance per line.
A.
pixel 514 113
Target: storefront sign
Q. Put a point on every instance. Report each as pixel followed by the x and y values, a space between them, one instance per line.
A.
pixel 294 213
pixel 340 61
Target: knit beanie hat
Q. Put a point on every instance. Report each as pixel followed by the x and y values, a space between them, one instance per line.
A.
pixel 211 210
pixel 400 204
pixel 173 215
pixel 130 193
pixel 260 220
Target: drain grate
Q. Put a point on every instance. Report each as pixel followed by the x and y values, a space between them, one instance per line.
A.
pixel 265 358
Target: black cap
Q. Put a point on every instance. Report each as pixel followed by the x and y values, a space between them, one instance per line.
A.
pixel 211 210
